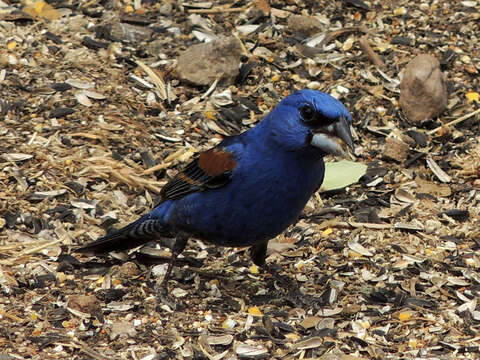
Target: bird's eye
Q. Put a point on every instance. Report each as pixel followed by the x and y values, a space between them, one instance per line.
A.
pixel 308 113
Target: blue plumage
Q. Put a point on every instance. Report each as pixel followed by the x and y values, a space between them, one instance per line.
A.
pixel 250 187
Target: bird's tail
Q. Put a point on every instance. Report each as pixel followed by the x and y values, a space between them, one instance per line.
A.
pixel 135 234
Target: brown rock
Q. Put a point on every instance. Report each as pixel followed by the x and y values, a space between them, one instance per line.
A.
pixel 307 25
pixel 201 64
pixel 129 269
pixel 263 6
pixel 423 92
pixel 85 303
pixel 396 149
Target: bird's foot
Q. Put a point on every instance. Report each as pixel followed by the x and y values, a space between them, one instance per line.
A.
pixel 284 281
pixel 288 289
pixel 164 298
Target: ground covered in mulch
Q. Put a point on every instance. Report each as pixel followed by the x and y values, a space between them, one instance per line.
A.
pixel 95 116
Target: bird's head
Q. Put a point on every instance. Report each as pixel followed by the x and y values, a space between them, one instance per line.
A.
pixel 311 120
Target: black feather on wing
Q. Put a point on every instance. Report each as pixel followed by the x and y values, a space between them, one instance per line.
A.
pixel 211 169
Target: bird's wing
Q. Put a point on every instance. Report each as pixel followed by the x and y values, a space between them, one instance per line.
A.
pixel 211 169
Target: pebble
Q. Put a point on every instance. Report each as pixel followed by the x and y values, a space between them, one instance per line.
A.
pixel 432 226
pixel 129 269
pixel 85 303
pixel 201 64
pixel 123 329
pixel 306 25
pixel 396 149
pixel 423 94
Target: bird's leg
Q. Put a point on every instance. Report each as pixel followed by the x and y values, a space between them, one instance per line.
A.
pixel 258 253
pixel 162 290
pixel 291 289
pixel 178 247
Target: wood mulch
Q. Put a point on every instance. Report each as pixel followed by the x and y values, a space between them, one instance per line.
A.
pixel 94 120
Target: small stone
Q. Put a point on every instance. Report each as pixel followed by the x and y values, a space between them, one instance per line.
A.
pixel 129 269
pixel 419 137
pixel 128 33
pixel 201 64
pixel 466 59
pixel 423 91
pixel 85 303
pixel 156 47
pixel 396 149
pixel 306 25
pixel 122 329
pixel 61 277
pixel 166 7
pixel 352 309
pixel 432 226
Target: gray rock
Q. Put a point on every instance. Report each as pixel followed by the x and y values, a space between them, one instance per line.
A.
pixel 423 92
pixel 201 64
pixel 166 7
pixel 306 25
pixel 128 33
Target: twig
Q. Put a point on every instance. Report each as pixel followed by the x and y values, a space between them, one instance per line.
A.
pixel 242 45
pixel 336 33
pixel 41 247
pixel 454 122
pixel 381 96
pixel 217 10
pixel 22 259
pixel 16 245
pixel 335 223
pixel 13 317
pixel 83 347
pixel 157 167
pixel 367 49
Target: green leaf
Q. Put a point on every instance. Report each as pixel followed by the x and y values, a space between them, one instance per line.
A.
pixel 342 174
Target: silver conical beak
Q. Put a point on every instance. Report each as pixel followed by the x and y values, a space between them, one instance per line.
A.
pixel 335 138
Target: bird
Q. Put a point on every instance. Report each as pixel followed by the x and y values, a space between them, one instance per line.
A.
pixel 247 189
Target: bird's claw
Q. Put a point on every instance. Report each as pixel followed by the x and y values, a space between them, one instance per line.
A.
pixel 164 298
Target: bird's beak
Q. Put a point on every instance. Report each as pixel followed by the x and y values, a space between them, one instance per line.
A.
pixel 334 138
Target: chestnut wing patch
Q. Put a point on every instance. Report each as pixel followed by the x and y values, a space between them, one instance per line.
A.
pixel 210 170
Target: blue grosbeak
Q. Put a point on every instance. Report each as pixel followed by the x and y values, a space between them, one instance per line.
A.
pixel 250 187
